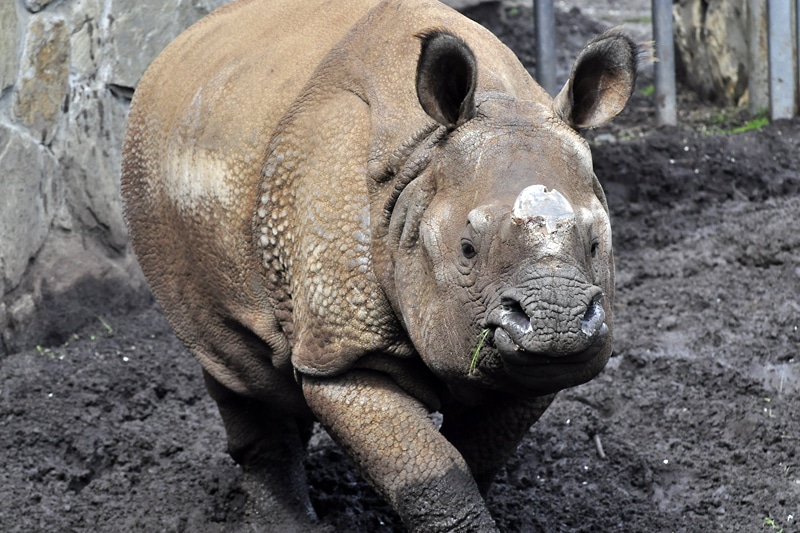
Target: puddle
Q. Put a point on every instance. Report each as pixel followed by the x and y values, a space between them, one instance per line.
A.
pixel 781 378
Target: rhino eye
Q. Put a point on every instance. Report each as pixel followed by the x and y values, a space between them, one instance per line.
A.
pixel 467 250
pixel 593 250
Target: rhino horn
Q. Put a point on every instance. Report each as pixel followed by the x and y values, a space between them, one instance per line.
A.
pixel 538 205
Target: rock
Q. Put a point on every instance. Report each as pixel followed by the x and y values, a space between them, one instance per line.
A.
pixel 86 41
pixel 34 6
pixel 72 281
pixel 711 48
pixel 90 160
pixel 22 309
pixel 43 78
pixel 69 69
pixel 605 138
pixel 29 171
pixel 9 61
pixel 139 30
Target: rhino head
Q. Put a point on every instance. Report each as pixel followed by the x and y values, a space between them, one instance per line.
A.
pixel 501 246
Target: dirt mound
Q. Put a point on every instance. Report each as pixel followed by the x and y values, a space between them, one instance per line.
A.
pixel 693 426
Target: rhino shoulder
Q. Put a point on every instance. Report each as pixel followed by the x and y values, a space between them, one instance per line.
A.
pixel 314 233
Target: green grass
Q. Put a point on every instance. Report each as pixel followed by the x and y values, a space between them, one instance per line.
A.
pixel 481 340
pixel 58 352
pixel 725 123
pixel 648 90
pixel 45 351
pixel 752 125
pixel 771 523
pixel 109 329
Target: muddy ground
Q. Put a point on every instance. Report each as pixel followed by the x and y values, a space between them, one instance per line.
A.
pixel 694 426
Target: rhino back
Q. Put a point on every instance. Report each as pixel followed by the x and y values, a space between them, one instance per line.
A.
pixel 201 118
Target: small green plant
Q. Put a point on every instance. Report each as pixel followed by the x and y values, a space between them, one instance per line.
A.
pixel 109 329
pixel 648 90
pixel 771 523
pixel 46 351
pixel 752 125
pixel 722 123
pixel 481 340
pixel 513 12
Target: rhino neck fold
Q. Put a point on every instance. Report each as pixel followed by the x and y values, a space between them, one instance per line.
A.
pixel 389 173
pixel 402 165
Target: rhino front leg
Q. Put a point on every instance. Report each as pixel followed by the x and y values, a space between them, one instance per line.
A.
pixel 399 451
pixel 487 435
pixel 270 451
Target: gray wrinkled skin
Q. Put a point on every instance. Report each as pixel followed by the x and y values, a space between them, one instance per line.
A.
pixel 332 207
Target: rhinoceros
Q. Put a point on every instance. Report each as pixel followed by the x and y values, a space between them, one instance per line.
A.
pixel 363 212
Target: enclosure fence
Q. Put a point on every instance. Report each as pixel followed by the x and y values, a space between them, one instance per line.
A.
pixel 783 44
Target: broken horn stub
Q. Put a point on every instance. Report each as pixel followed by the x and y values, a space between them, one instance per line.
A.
pixel 538 205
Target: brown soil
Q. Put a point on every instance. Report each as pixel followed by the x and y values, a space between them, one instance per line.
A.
pixel 692 427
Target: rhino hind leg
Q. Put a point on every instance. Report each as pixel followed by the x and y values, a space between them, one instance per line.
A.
pixel 487 435
pixel 270 451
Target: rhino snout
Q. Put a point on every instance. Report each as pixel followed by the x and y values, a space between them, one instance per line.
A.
pixel 544 333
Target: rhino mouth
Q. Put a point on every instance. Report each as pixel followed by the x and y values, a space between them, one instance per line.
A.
pixel 514 354
pixel 533 354
pixel 545 373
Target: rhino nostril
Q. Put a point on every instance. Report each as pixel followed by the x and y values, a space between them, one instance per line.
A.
pixel 513 317
pixel 594 317
pixel 513 307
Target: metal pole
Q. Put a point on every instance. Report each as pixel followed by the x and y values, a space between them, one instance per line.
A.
pixel 666 114
pixel 797 52
pixel 781 59
pixel 758 74
pixel 544 23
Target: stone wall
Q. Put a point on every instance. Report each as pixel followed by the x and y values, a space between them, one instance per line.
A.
pixel 67 71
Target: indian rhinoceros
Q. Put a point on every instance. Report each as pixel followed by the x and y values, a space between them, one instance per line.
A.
pixel 362 212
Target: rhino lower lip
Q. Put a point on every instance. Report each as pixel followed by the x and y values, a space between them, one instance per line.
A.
pixel 517 356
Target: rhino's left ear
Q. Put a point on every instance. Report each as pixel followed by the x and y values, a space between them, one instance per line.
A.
pixel 446 76
pixel 601 82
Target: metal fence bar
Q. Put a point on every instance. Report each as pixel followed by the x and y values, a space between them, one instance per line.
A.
pixel 758 73
pixel 544 23
pixel 783 55
pixel 666 113
pixel 781 59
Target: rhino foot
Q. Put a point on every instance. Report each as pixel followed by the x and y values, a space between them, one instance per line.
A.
pixel 268 508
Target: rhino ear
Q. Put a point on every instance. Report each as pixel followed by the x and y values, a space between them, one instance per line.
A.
pixel 601 82
pixel 446 76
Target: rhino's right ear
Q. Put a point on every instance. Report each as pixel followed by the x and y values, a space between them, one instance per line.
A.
pixel 446 77
pixel 601 82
